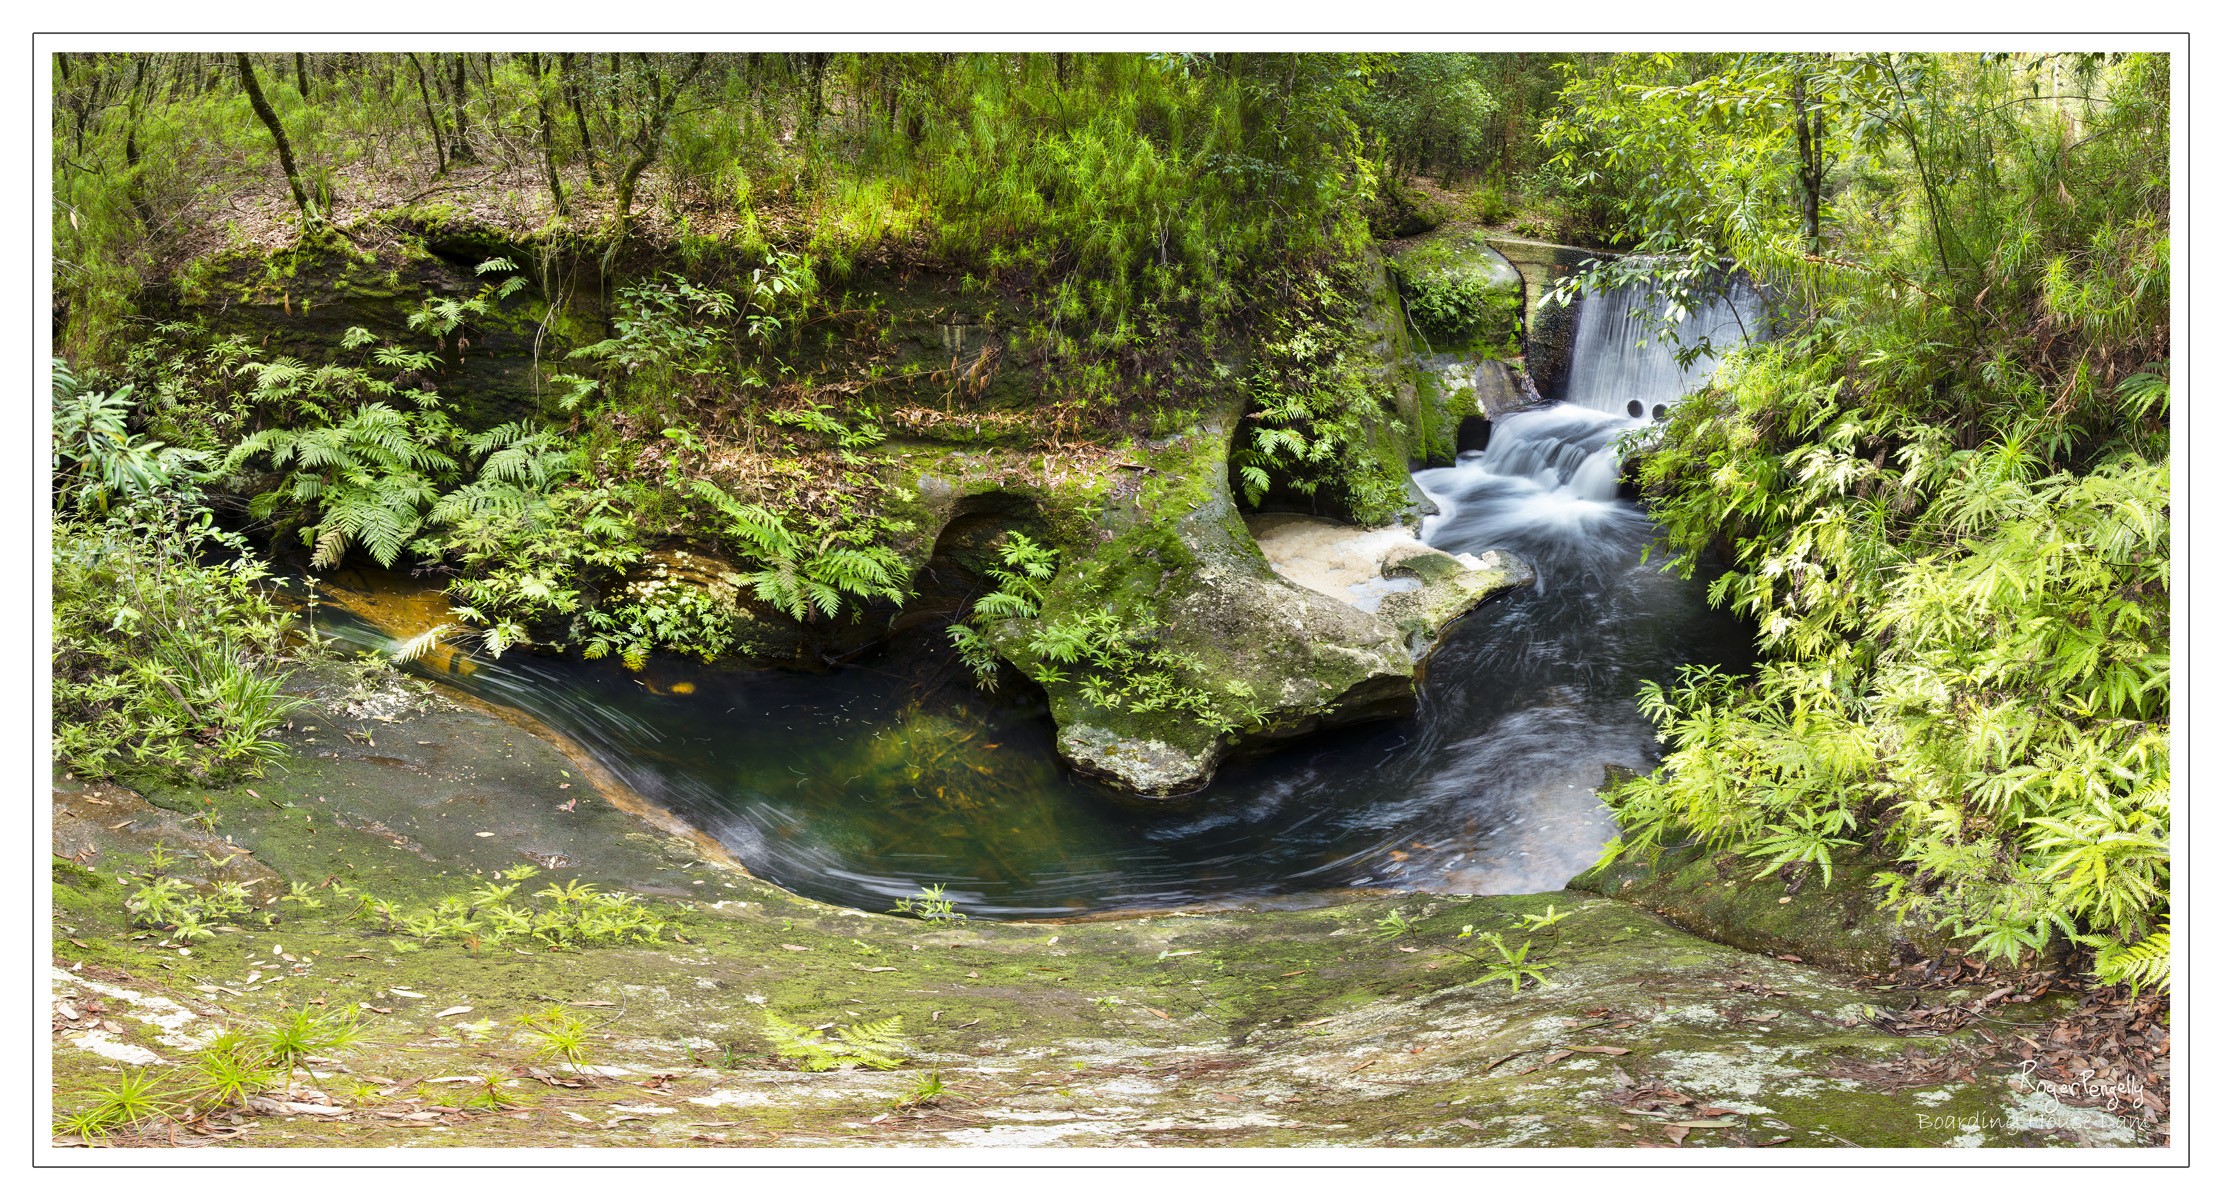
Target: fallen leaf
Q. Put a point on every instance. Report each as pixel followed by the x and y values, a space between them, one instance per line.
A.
pixel 794 947
pixel 1612 1050
pixel 875 968
pixel 394 991
pixel 457 1011
pixel 1291 974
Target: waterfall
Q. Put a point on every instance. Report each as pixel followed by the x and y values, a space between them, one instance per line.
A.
pixel 1622 360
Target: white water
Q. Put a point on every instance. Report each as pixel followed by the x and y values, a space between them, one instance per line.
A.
pixel 1621 358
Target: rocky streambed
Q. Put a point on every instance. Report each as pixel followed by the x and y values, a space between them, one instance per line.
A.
pixel 1348 1020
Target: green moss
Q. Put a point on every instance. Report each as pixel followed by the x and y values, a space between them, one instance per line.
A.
pixel 1461 294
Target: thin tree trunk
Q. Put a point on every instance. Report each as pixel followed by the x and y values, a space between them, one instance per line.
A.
pixel 301 73
pixel 1809 162
pixel 277 134
pixel 431 118
pixel 651 139
pixel 547 132
pixel 459 132
pixel 578 115
pixel 134 191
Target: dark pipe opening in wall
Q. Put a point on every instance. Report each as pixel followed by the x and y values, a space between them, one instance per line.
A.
pixel 1473 434
pixel 1635 408
pixel 1658 412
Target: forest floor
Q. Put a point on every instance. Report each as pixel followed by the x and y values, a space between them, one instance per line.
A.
pixel 1288 1027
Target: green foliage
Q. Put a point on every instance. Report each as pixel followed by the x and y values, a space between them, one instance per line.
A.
pixel 184 912
pixel 135 1098
pixel 926 1089
pixel 97 460
pixel 801 573
pixel 1394 926
pixel 306 1034
pixel 1125 669
pixel 1509 965
pixel 1947 487
pixel 1027 569
pixel 559 1033
pixel 233 1067
pixel 873 1045
pixel 1434 112
pixel 365 481
pixel 928 903
pixel 2143 965
pixel 574 915
pixel 1313 412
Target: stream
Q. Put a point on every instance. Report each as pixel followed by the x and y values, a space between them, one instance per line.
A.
pixel 860 786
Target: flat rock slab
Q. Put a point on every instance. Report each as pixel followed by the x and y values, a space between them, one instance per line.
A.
pixel 1385 571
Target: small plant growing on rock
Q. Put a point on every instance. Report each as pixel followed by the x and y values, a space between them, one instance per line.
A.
pixel 1395 926
pixel 1027 568
pixel 876 1045
pixel 560 1033
pixel 134 1099
pixel 928 1090
pixel 305 1035
pixel 929 903
pixel 232 1068
pixel 1507 964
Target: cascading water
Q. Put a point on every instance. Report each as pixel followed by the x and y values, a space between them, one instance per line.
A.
pixel 860 786
pixel 1623 363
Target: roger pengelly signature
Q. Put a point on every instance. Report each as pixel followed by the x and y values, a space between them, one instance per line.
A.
pixel 2085 1084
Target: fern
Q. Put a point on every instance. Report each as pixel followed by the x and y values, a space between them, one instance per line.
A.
pixel 874 1045
pixel 2145 964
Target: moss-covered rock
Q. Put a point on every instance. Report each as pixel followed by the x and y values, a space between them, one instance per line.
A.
pixel 1833 921
pixel 1462 295
pixel 1175 573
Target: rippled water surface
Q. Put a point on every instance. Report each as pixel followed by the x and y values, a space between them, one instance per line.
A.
pixel 857 787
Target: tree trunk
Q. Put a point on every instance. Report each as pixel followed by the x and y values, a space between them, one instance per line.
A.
pixel 651 139
pixel 547 131
pixel 132 187
pixel 459 132
pixel 431 118
pixel 1810 166
pixel 277 134
pixel 578 115
pixel 301 73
